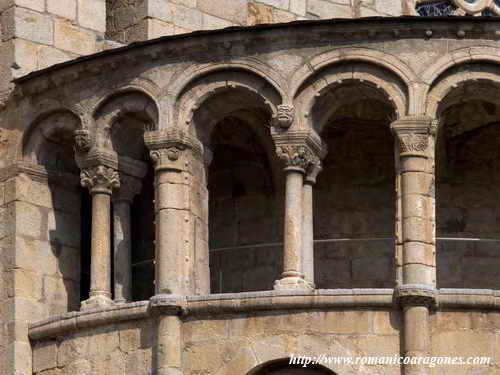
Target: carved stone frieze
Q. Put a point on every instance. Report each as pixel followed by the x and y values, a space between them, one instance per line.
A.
pixel 284 117
pixel 413 143
pixel 100 179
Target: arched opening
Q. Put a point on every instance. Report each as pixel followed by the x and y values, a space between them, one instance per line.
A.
pixel 122 120
pixel 354 196
pixel 62 240
pixel 283 367
pixel 467 172
pixel 244 208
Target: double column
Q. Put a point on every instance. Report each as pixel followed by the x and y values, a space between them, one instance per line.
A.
pixel 100 176
pixel 416 292
pixel 300 153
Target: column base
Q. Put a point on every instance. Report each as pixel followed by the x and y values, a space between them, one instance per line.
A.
pixel 96 302
pixel 292 283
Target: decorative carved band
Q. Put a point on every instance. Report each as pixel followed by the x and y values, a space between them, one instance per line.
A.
pixel 413 143
pixel 284 117
pixel 100 179
pixel 416 295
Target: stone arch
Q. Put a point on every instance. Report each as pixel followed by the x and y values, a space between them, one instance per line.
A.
pixel 254 90
pixel 460 56
pixel 465 99
pixel 351 105
pixel 131 103
pixel 283 367
pixel 381 60
pixel 456 76
pixel 229 111
pixel 58 128
pixel 382 83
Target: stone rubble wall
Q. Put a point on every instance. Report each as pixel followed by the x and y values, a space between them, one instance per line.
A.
pixel 136 20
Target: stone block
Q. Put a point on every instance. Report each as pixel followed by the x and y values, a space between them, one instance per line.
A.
pixel 92 14
pixel 458 343
pixel 298 7
pixel 80 367
pixel 72 349
pixel 211 22
pixel 451 321
pixel 343 322
pixel 187 18
pixel 200 330
pixel 29 219
pixel 282 4
pixel 44 356
pixel 161 10
pixel 387 322
pixel 231 10
pixel 27 284
pixel 323 9
pixel 49 56
pixel 130 339
pixel 73 39
pixel 66 9
pixel 157 28
pixel 282 16
pixel 186 3
pixel 38 5
pixel 33 26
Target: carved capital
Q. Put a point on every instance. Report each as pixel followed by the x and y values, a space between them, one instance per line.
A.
pixel 129 188
pixel 416 295
pixel 284 116
pixel 312 173
pixel 83 141
pixel 297 156
pixel 100 179
pixel 168 148
pixel 414 134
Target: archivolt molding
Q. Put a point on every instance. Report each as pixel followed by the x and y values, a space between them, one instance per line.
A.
pixel 255 67
pixel 44 127
pixel 193 98
pixel 129 100
pixel 381 59
pixel 440 92
pixel 388 85
pixel 460 56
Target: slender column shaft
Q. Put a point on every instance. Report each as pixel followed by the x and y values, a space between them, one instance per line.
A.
pixel 101 181
pixel 169 233
pixel 292 260
pixel 308 233
pixel 416 337
pixel 168 349
pixel 100 269
pixel 122 251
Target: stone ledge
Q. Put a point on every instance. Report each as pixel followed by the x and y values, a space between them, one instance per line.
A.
pixel 219 304
pixel 73 321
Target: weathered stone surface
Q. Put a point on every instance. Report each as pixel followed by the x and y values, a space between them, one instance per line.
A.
pixel 73 39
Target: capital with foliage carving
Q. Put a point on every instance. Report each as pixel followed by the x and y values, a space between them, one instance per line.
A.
pixel 284 116
pixel 100 179
pixel 301 150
